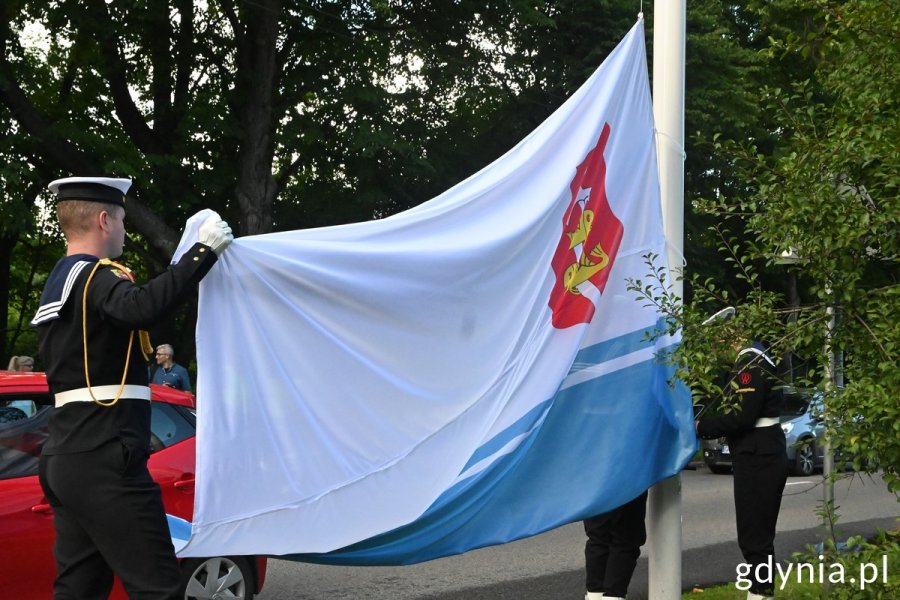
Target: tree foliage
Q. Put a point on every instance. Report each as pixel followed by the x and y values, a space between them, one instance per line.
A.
pixel 825 193
pixel 341 111
pixel 290 115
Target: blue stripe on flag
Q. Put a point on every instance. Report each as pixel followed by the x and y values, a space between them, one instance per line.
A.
pixel 179 530
pixel 616 347
pixel 586 357
pixel 603 442
pixel 521 426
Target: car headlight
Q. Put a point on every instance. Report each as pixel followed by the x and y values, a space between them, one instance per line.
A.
pixel 787 427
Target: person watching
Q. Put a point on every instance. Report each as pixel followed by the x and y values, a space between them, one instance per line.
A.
pixel 21 363
pixel 168 372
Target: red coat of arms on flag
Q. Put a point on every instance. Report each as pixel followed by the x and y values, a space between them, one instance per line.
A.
pixel 590 239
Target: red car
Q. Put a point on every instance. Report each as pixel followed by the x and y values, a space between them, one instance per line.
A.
pixel 26 519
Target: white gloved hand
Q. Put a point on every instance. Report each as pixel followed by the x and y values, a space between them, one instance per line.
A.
pixel 215 233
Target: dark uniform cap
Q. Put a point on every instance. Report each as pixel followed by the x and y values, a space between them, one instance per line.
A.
pixel 95 189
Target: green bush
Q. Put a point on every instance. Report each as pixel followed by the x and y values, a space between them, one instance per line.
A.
pixel 845 571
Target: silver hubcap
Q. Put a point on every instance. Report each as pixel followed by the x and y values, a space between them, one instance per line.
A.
pixel 216 579
pixel 806 460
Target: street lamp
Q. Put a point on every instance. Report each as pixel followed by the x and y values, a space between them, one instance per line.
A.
pixel 790 257
pixel 787 257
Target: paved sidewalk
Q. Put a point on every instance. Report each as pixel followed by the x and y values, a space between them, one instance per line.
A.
pixel 703 567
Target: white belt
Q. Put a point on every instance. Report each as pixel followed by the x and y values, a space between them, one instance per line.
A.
pixel 103 392
pixel 766 421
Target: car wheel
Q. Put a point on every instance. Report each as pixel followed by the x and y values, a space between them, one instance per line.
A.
pixel 218 577
pixel 805 459
pixel 719 470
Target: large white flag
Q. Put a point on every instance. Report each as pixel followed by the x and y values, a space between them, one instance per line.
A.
pixel 465 373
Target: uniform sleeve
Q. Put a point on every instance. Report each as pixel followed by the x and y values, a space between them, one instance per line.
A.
pixel 746 392
pixel 126 304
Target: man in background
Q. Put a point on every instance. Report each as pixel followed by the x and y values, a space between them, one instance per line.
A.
pixel 168 372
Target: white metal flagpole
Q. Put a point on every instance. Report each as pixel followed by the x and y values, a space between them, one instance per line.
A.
pixel 669 32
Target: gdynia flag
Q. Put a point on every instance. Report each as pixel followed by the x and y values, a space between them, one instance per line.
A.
pixel 465 373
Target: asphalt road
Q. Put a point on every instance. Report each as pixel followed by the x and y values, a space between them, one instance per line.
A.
pixel 549 566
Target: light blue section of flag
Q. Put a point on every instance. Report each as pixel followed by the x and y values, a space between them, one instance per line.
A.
pixel 179 530
pixel 592 447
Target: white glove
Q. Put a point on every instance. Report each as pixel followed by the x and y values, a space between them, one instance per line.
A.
pixel 215 233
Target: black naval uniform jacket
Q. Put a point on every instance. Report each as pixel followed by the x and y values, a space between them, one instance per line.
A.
pixel 759 458
pixel 116 307
pixel 753 388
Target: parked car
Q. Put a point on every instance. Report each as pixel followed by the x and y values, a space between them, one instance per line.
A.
pixel 801 421
pixel 26 518
pixel 802 426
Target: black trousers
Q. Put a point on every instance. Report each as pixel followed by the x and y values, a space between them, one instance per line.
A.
pixel 613 547
pixel 759 480
pixel 109 518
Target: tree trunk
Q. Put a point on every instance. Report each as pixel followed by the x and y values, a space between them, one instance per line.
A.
pixel 7 243
pixel 256 82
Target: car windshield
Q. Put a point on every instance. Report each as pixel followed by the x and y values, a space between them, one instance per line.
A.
pixel 794 405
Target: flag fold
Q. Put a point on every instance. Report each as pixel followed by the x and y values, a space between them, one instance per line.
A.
pixel 465 373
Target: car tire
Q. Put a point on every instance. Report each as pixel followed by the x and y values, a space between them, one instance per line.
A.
pixel 218 577
pixel 719 470
pixel 804 458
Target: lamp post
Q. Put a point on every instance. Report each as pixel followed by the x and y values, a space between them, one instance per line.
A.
pixel 833 380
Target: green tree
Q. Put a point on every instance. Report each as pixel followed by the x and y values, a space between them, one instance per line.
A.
pixel 288 115
pixel 826 193
pixel 330 107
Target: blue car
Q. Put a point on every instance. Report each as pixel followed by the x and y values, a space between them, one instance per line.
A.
pixel 801 421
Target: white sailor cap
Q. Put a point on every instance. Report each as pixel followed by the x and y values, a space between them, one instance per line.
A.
pixel 726 314
pixel 96 189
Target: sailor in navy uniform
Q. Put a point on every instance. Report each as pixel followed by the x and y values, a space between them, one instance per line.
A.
pixel 108 512
pixel 613 548
pixel 757 445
